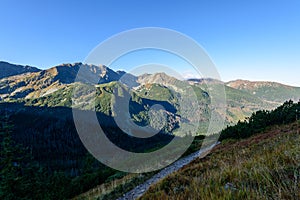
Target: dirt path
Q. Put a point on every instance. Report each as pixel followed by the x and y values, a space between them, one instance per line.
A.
pixel 141 189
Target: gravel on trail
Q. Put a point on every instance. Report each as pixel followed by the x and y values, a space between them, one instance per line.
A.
pixel 141 189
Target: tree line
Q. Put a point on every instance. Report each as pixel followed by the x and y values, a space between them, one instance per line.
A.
pixel 260 120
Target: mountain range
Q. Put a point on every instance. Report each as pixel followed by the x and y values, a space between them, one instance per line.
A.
pixel 53 87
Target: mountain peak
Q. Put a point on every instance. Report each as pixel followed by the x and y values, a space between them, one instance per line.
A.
pixel 67 73
pixel 160 77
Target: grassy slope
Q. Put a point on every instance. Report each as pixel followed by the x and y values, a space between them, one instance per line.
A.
pixel 279 93
pixel 264 166
pixel 269 91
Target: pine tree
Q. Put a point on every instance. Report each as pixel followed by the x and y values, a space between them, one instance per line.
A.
pixel 10 161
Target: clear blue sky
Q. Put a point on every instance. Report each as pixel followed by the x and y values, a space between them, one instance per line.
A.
pixel 248 39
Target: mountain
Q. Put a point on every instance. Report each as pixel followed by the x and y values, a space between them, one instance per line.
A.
pixel 204 81
pixel 240 103
pixel 66 73
pixel 54 87
pixel 39 84
pixel 268 91
pixel 8 69
pixel 47 87
pixel 159 78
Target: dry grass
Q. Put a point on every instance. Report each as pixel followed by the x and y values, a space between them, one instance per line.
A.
pixel 105 188
pixel 265 166
pixel 115 188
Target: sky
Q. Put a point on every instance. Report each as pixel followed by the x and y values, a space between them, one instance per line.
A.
pixel 250 39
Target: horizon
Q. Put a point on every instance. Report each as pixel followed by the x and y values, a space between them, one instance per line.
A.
pixel 246 40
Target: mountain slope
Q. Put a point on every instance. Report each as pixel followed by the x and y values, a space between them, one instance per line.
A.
pixel 8 69
pixel 263 166
pixel 240 103
pixel 269 91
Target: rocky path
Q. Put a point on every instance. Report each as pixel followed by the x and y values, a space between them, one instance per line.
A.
pixel 141 189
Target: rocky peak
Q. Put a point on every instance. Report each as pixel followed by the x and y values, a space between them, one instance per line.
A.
pixel 66 73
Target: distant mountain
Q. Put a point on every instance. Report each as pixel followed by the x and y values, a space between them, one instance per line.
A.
pixel 269 91
pixel 204 81
pixel 240 104
pixel 159 78
pixel 8 69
